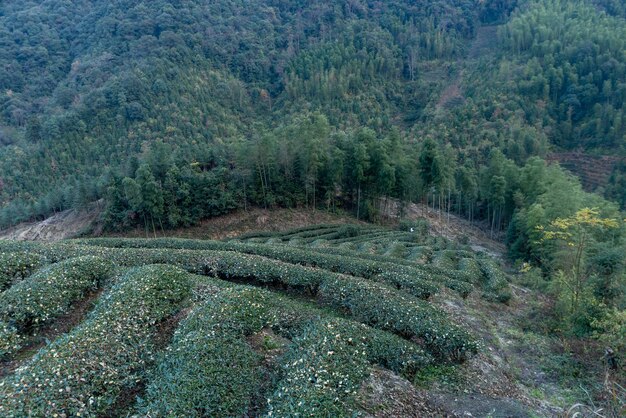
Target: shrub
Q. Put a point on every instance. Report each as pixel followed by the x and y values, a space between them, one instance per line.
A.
pixel 371 302
pixel 420 226
pixel 348 231
pixel 10 339
pixel 231 264
pixel 209 370
pixel 496 286
pixel 340 261
pixel 84 371
pixel 327 363
pixel 17 266
pixel 472 269
pixel 52 290
pixel 386 309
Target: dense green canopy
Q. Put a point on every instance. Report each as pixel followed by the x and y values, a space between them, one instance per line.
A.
pixel 174 111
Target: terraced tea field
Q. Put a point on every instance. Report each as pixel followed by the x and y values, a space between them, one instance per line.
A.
pixel 288 324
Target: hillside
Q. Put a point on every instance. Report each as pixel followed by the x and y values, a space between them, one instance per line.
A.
pixel 273 103
pixel 201 326
pixel 295 208
pixel 322 320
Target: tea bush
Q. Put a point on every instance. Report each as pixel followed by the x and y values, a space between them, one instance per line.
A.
pixel 17 266
pixel 10 339
pixel 496 286
pixel 52 290
pixel 208 370
pixel 83 372
pixel 387 309
pixel 326 365
pixel 196 376
pixel 415 278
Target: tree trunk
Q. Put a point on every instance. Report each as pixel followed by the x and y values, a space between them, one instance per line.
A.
pixel 449 203
pixel 358 203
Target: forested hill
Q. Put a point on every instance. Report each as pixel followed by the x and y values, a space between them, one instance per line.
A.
pixel 178 110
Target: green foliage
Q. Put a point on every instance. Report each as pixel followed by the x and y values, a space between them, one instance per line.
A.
pixel 84 371
pixel 610 329
pixel 196 376
pixel 386 309
pixel 411 276
pixel 575 64
pixel 209 369
pixel 142 78
pixel 17 266
pixel 10 339
pixel 327 363
pixel 369 313
pixel 347 231
pixel 496 285
pixel 52 290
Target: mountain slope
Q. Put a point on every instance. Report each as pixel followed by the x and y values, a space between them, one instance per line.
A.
pixel 180 111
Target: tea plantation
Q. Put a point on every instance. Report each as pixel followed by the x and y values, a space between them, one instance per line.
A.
pixel 285 324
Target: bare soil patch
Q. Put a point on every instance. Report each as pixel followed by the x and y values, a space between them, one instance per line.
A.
pixel 387 395
pixel 63 225
pixel 242 222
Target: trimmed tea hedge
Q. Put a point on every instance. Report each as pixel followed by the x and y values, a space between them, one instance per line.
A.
pixel 83 372
pixel 472 269
pixel 9 246
pixel 232 264
pixel 10 339
pixel 374 303
pixel 399 270
pixel 17 266
pixel 386 309
pixel 52 290
pixel 210 370
pixel 327 364
pixel 345 262
pixel 496 286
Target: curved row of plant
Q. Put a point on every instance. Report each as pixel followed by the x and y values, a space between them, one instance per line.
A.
pixel 340 261
pixel 374 303
pixel 327 363
pixel 460 275
pixel 384 308
pixel 84 372
pixel 233 265
pixel 400 271
pixel 496 286
pixel 368 301
pixel 362 298
pixel 211 370
pixel 47 294
pixel 16 266
pixel 295 231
